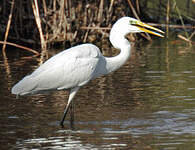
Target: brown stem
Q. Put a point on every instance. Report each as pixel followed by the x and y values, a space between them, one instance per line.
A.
pixel 22 47
pixel 135 14
pixel 38 22
pixel 8 27
pixel 167 18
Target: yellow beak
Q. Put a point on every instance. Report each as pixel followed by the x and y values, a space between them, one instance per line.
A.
pixel 149 29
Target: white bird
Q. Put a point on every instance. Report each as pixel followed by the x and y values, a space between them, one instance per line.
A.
pixel 76 66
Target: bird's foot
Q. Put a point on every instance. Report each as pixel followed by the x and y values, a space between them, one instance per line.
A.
pixel 62 123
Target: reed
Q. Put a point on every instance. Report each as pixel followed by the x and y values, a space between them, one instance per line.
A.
pixel 8 27
pixel 187 38
pixel 35 7
pixel 167 18
pixel 21 47
pixel 38 22
pixel 58 21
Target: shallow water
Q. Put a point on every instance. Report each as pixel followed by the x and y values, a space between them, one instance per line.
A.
pixel 147 104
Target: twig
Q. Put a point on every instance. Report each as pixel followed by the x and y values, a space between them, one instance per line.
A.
pixel 180 17
pixel 184 38
pixel 133 9
pixel 95 28
pixel 22 47
pixel 192 35
pixel 187 39
pixel 8 27
pixel 99 18
pixel 172 25
pixel 63 21
pixel 152 24
pixel 44 8
pixel 87 32
pixel 167 18
pixel 137 6
pixel 38 22
pixel 111 6
pixel 109 13
pixel 135 14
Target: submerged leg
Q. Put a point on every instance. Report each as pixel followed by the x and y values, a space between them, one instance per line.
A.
pixel 72 114
pixel 71 96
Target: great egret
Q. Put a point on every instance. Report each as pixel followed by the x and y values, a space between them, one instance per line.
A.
pixel 76 66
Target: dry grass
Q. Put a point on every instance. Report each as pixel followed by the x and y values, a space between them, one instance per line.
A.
pixel 59 21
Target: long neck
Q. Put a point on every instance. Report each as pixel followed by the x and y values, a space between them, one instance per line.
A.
pixel 114 63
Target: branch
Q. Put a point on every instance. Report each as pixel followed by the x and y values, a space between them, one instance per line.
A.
pixel 22 47
pixel 8 27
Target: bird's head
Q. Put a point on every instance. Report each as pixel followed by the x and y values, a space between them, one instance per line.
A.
pixel 127 25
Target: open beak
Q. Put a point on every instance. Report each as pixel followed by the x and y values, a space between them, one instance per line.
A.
pixel 149 29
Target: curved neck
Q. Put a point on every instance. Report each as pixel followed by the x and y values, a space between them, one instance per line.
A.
pixel 113 63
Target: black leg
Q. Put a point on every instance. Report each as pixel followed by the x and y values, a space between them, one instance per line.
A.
pixel 64 116
pixel 72 115
pixel 71 96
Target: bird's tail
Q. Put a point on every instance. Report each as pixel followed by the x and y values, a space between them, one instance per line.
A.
pixel 23 87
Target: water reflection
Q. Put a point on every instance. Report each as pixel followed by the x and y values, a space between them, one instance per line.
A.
pixel 147 104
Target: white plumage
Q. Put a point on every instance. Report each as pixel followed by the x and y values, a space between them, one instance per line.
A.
pixel 68 69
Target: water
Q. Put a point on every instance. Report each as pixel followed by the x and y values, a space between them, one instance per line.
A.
pixel 148 104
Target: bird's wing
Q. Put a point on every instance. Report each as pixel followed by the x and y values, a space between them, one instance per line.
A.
pixel 70 68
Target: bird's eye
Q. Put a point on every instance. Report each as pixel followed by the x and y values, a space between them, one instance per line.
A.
pixel 132 22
